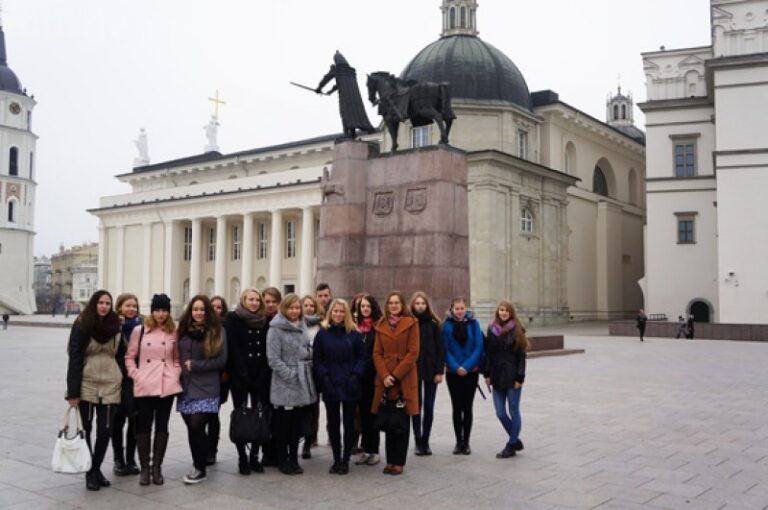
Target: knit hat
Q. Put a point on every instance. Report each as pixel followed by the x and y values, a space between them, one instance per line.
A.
pixel 160 302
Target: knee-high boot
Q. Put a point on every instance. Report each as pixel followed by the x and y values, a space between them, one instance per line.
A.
pixel 143 445
pixel 158 453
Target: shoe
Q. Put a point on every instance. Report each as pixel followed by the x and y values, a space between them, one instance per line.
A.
pixel 120 469
pixel 343 468
pixel 466 450
pixel 459 448
pixel 195 476
pixel 519 445
pixel 306 453
pixel 373 459
pixel 158 454
pixel 210 460
pixel 362 459
pixel 334 470
pixel 254 463
pixel 243 466
pixel 507 452
pixel 131 467
pixel 297 470
pixel 425 446
pixel 144 476
pixel 418 450
pixel 103 482
pixel 396 470
pixel 286 468
pixel 387 469
pixel 91 482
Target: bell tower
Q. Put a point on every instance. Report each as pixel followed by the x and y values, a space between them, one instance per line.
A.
pixel 459 17
pixel 619 109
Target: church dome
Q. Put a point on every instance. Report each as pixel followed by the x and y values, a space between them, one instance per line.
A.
pixel 476 70
pixel 9 82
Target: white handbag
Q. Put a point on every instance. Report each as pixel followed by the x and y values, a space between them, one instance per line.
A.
pixel 71 453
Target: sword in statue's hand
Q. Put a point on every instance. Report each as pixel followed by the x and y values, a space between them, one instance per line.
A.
pixel 309 88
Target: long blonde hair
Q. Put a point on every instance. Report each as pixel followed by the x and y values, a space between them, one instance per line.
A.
pixel 245 293
pixel 423 295
pixel 349 322
pixel 168 326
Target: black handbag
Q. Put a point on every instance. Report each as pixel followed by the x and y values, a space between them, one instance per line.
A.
pixel 392 417
pixel 251 425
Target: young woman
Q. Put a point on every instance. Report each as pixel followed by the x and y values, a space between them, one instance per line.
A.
pixel 395 353
pixel 313 315
pixel 272 300
pixel 431 365
pixel 339 361
pixel 463 351
pixel 247 365
pixel 368 313
pixel 127 308
pixel 221 309
pixel 203 355
pixel 293 388
pixel 505 372
pixel 153 364
pixel 94 379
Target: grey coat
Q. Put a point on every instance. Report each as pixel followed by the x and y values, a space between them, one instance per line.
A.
pixel 203 381
pixel 290 358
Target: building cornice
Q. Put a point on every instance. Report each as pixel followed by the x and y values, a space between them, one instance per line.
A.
pixel 675 104
pixel 496 156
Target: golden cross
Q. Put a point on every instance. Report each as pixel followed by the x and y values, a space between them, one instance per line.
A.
pixel 216 101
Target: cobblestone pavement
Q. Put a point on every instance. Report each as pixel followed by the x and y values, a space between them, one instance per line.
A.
pixel 661 424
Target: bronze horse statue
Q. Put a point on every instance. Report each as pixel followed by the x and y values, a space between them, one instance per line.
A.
pixel 421 103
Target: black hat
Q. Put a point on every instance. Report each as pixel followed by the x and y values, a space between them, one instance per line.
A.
pixel 160 302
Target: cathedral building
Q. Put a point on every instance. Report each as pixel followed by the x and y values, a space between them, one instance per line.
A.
pixel 17 192
pixel 556 198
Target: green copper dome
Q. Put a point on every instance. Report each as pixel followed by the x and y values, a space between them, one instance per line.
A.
pixel 475 69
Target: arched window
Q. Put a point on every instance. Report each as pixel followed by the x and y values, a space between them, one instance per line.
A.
pixel 463 17
pixel 209 287
pixel 623 111
pixel 599 183
pixel 453 18
pixel 570 159
pixel 13 161
pixel 234 291
pixel 615 112
pixel 526 221
pixel 12 211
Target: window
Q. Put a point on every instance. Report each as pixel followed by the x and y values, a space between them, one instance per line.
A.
pixel 615 112
pixel 290 239
pixel 599 183
pixel 522 144
pixel 13 161
pixel 211 244
pixel 11 211
pixel 420 137
pixel 526 221
pixel 686 227
pixel 623 111
pixel 262 241
pixel 685 158
pixel 187 244
pixel 32 166
pixel 453 17
pixel 463 17
pixel 236 243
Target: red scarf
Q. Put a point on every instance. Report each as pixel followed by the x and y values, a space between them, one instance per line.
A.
pixel 366 326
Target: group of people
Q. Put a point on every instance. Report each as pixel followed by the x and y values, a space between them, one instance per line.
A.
pixel 284 355
pixel 685 327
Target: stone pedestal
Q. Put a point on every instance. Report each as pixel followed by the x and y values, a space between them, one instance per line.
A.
pixel 395 222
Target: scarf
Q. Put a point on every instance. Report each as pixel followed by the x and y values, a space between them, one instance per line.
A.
pixel 460 329
pixel 366 325
pixel 424 316
pixel 129 325
pixel 312 320
pixel 394 320
pixel 196 332
pixel 253 320
pixel 106 328
pixel 500 331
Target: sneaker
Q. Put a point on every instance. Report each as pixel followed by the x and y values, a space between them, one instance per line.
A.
pixel 373 459
pixel 508 451
pixel 195 476
pixel 519 445
pixel 362 459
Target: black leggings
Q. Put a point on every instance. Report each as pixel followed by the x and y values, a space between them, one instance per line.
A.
pixel 333 412
pixel 198 438
pixel 462 390
pixel 104 416
pixel 288 426
pixel 155 410
pixel 371 436
pixel 119 422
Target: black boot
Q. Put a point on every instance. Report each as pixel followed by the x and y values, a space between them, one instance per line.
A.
pixel 130 452
pixel 91 481
pixel 242 460
pixel 508 451
pixel 425 446
pixel 519 445
pixel 103 482
pixel 459 448
pixel 120 469
pixel 253 460
pixel 306 451
pixel 158 454
pixel 419 447
pixel 143 445
pixel 466 450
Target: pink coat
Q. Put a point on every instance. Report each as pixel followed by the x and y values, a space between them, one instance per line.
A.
pixel 159 370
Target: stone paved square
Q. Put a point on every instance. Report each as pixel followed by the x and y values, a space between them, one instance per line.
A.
pixel 665 424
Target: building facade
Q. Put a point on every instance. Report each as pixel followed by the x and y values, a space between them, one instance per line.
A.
pixel 17 191
pixel 707 160
pixel 84 279
pixel 65 264
pixel 556 199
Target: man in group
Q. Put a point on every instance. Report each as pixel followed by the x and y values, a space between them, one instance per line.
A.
pixel 323 295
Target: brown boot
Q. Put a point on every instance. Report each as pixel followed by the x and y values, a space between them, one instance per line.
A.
pixel 158 453
pixel 143 446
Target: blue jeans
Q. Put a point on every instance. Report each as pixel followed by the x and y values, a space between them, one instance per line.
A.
pixel 422 422
pixel 510 418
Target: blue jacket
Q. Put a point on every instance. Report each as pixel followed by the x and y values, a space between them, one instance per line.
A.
pixel 340 363
pixel 468 356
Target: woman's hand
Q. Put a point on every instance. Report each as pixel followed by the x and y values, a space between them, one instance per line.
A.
pixel 518 385
pixel 461 371
pixel 389 381
pixel 188 365
pixel 488 381
pixel 438 378
pixel 73 402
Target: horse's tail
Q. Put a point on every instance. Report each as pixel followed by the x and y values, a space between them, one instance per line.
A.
pixel 445 102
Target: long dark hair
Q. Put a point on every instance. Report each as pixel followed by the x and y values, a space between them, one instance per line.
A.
pixel 375 309
pixel 211 326
pixel 90 316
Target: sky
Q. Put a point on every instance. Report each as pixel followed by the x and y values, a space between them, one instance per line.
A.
pixel 101 70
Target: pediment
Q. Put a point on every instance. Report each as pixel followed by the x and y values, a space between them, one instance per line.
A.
pixel 691 61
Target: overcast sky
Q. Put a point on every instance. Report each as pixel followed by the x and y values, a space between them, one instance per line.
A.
pixel 100 70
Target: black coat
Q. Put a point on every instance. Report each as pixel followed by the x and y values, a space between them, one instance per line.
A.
pixel 247 363
pixel 339 362
pixel 370 371
pixel 505 365
pixel 431 349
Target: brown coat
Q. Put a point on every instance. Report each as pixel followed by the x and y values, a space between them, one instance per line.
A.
pixel 395 353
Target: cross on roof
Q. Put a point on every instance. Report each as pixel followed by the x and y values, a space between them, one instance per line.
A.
pixel 216 102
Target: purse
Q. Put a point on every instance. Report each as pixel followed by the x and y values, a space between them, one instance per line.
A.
pixel 251 424
pixel 392 417
pixel 71 454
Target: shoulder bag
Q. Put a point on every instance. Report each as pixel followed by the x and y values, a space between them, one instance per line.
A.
pixel 71 454
pixel 392 417
pixel 251 424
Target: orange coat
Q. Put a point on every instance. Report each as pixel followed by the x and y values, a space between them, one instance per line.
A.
pixel 395 353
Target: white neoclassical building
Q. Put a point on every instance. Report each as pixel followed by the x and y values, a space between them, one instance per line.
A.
pixel 17 192
pixel 556 199
pixel 707 158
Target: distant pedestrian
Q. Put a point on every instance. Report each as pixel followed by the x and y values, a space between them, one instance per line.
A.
pixel 6 318
pixel 641 319
pixel 689 328
pixel 681 327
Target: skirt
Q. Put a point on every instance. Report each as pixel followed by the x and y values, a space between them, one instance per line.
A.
pixel 186 405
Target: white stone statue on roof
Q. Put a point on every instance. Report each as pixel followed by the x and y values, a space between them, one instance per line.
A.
pixel 211 133
pixel 142 144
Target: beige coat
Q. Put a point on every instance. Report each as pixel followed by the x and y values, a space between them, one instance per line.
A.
pixel 102 379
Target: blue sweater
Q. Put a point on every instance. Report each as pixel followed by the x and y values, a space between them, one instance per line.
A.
pixel 467 356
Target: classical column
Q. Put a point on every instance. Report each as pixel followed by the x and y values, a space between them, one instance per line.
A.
pixel 147 267
pixel 307 240
pixel 168 265
pixel 246 275
pixel 276 250
pixel 102 267
pixel 220 270
pixel 196 263
pixel 120 262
